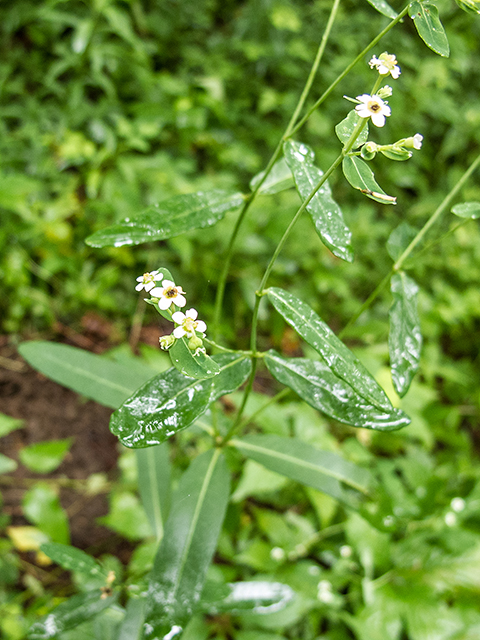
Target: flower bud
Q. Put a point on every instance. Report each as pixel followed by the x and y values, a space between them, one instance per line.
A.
pixel 385 92
pixel 369 150
pixel 414 142
pixel 166 342
pixel 195 343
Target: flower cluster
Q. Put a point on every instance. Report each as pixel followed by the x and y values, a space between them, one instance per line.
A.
pixel 169 297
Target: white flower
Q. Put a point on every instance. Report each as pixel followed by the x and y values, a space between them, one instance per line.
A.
pixel 417 141
pixel 147 281
pixel 187 324
pixel 373 107
pixel 458 504
pixel 386 64
pixel 167 294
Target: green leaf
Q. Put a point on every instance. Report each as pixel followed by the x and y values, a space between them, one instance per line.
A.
pixel 399 240
pixel 337 356
pixel 405 338
pixel 132 625
pixel 279 179
pixel 384 8
pixel 322 470
pixel 96 377
pixel 41 506
pixel 361 177
pixel 44 457
pixel 200 366
pixel 73 559
pixel 396 153
pixel 315 383
pixel 185 553
pixel 154 484
pixel 344 129
pixel 429 28
pixel 70 614
pixel 241 597
pixel 7 464
pixel 9 424
pixel 170 402
pixel 126 517
pixel 467 210
pixel 169 218
pixel 470 6
pixel 324 211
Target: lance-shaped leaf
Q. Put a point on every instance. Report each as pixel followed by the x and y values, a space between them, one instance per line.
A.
pixel 279 179
pixel 132 624
pixel 169 218
pixel 185 553
pixel 70 614
pixel 170 402
pixel 73 559
pixel 96 377
pixel 405 338
pixel 315 383
pixel 196 366
pixel 361 177
pixel 384 8
pixel 467 210
pixel 429 28
pixel 322 470
pixel 245 597
pixel 154 484
pixel 324 211
pixel 336 355
pixel 345 128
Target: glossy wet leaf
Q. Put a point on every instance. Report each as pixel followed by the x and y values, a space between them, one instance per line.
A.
pixel 361 177
pixel 336 355
pixel 170 402
pixel 322 470
pixel 70 614
pixel 96 377
pixel 73 559
pixel 324 211
pixel 154 484
pixel 132 624
pixel 279 179
pixel 467 210
pixel 41 506
pixel 190 539
pixel 399 240
pixel 44 457
pixel 260 597
pixel 429 27
pixel 384 8
pixel 344 129
pixel 405 338
pixel 315 383
pixel 196 366
pixel 169 218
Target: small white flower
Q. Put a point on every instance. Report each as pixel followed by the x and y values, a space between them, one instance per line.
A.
pixel 147 281
pixel 385 64
pixel 450 519
pixel 373 107
pixel 277 553
pixel 187 324
pixel 417 141
pixel 458 504
pixel 167 294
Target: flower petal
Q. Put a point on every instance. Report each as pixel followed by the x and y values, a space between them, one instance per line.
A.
pixel 178 317
pixel 378 119
pixel 167 283
pixel 192 313
pixel 179 332
pixel 180 301
pixel 164 303
pixel 201 326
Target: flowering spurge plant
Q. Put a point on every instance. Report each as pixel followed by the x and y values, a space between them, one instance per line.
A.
pixel 150 410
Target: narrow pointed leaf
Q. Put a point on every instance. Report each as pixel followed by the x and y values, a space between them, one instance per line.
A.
pixel 361 177
pixel 154 484
pixel 324 211
pixel 96 377
pixel 191 535
pixel 73 559
pixel 322 470
pixel 169 218
pixel 337 356
pixel 279 179
pixel 200 366
pixel 315 383
pixel 467 210
pixel 241 597
pixel 132 624
pixel 384 8
pixel 430 29
pixel 344 129
pixel 70 614
pixel 170 402
pixel 405 338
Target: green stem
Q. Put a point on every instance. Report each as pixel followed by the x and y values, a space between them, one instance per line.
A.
pixel 401 260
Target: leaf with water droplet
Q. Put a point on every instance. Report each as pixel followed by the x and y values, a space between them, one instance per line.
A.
pixel 260 597
pixel 467 210
pixel 384 8
pixel 73 559
pixel 169 218
pixel 405 338
pixel 315 383
pixel 279 179
pixel 324 211
pixel 429 27
pixel 345 128
pixel 186 550
pixel 196 366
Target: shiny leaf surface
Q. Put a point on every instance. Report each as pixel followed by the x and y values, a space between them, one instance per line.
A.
pixel 191 534
pixel 73 559
pixel 324 211
pixel 337 356
pixel 361 177
pixel 405 338
pixel 467 210
pixel 344 129
pixel 132 625
pixel 315 383
pixel 200 366
pixel 430 29
pixel 240 597
pixel 169 218
pixel 154 484
pixel 384 8
pixel 279 179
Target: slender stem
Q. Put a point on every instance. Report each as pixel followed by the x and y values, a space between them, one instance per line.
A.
pixel 401 260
